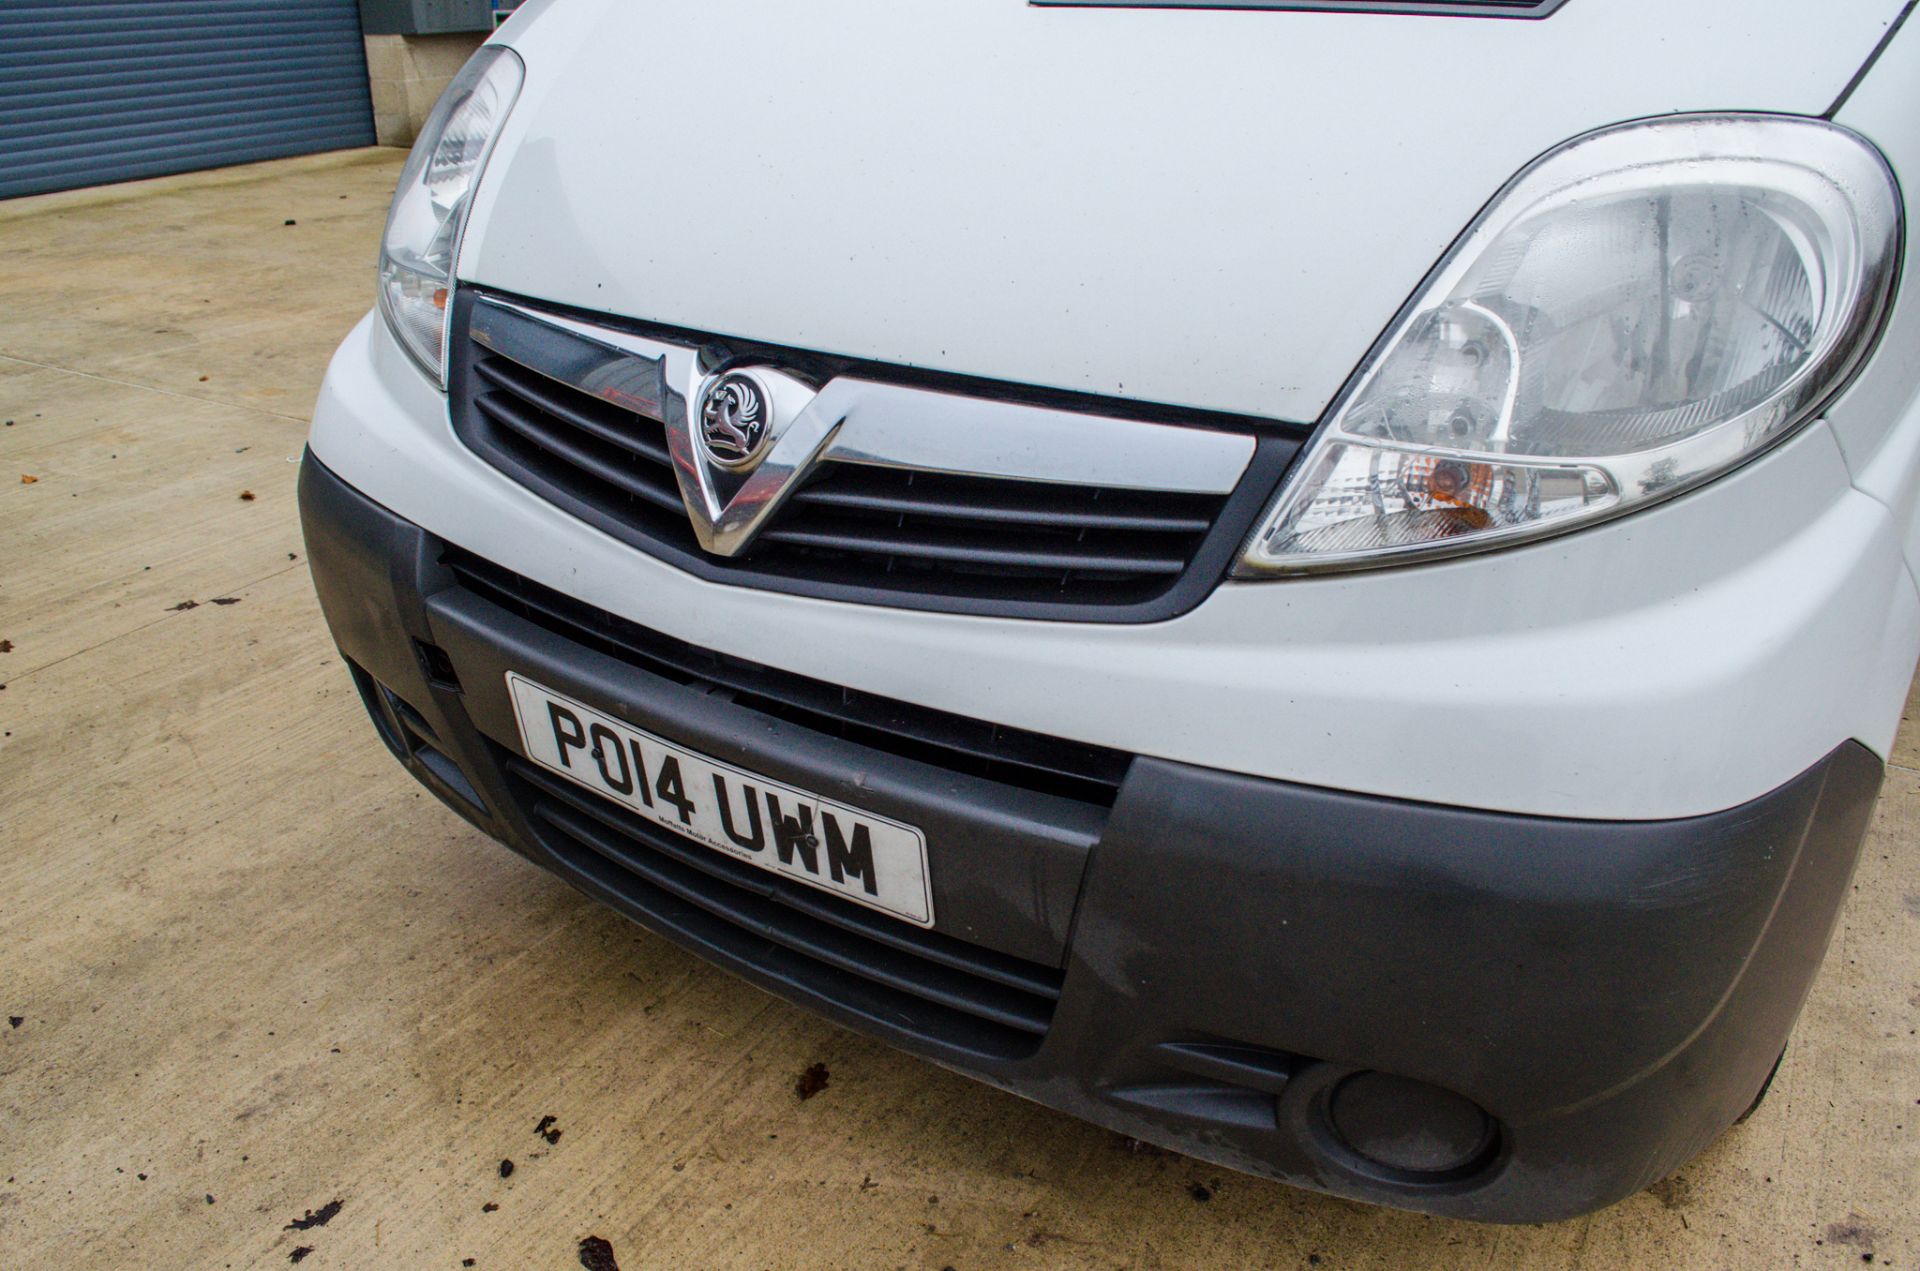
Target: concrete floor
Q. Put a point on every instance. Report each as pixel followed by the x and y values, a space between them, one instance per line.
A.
pixel 250 971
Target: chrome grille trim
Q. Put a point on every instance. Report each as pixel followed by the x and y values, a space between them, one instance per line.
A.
pixel 897 426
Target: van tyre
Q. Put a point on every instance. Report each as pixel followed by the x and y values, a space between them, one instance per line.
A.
pixel 1765 1086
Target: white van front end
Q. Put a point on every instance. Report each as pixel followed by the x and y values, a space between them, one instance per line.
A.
pixel 1323 587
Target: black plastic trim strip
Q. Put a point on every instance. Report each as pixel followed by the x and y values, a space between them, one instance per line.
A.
pixel 1510 9
pixel 1009 756
pixel 719 351
pixel 1873 59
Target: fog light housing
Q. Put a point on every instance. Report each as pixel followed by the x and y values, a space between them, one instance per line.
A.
pixel 1408 1127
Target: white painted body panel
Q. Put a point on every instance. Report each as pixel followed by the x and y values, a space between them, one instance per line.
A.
pixel 1675 662
pixel 1204 208
pixel 1878 420
pixel 1221 210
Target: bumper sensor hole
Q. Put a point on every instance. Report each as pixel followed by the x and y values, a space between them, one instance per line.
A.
pixel 438 666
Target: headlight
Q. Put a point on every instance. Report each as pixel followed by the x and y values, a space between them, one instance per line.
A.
pixel 429 210
pixel 1635 314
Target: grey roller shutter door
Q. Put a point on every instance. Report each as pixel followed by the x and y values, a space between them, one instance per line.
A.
pixel 93 91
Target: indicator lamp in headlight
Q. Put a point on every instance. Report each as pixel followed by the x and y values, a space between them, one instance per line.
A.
pixel 429 213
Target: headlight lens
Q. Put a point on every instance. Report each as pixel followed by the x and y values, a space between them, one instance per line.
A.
pixel 1636 313
pixel 430 207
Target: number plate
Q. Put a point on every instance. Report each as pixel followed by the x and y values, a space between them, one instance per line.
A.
pixel 867 859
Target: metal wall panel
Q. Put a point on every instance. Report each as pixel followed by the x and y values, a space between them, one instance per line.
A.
pixel 425 17
pixel 93 91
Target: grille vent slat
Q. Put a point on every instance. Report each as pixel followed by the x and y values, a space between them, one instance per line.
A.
pixel 925 546
pixel 607 423
pixel 1011 512
pixel 579 451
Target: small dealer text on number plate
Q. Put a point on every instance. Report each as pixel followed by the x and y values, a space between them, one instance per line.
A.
pixel 867 859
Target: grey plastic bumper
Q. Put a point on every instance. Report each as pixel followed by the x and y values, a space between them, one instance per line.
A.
pixel 1228 953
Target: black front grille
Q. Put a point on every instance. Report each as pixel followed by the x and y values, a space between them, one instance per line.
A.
pixel 855 525
pixel 921 983
pixel 614 459
pixel 864 532
pixel 1009 539
pixel 956 743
